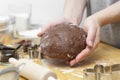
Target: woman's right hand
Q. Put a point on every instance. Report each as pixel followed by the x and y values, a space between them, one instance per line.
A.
pixel 46 27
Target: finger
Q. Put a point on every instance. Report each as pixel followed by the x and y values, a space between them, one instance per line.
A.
pixel 39 48
pixel 73 62
pixel 91 36
pixel 43 30
pixel 81 56
pixel 97 39
pixel 67 62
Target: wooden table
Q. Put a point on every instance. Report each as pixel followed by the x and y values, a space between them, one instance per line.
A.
pixel 104 53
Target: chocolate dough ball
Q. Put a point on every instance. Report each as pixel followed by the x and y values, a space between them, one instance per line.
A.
pixel 63 41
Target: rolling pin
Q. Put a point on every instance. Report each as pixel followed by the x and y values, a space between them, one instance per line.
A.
pixel 33 71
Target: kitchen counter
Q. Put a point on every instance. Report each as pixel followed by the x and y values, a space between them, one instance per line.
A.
pixel 104 53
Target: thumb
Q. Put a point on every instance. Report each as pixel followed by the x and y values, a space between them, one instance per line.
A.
pixel 91 36
pixel 42 31
pixel 46 27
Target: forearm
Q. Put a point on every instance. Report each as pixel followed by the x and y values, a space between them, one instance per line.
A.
pixel 108 15
pixel 74 9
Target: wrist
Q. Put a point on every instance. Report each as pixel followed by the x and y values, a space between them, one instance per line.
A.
pixel 71 20
pixel 92 22
pixel 96 19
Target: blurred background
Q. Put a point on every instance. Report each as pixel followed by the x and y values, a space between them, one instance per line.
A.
pixel 43 11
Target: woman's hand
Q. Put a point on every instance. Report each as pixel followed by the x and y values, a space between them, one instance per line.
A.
pixel 92 28
pixel 62 20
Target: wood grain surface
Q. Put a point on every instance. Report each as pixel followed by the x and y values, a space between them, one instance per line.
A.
pixel 103 54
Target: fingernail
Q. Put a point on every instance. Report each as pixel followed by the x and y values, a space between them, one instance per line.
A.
pixel 90 43
pixel 39 48
pixel 39 34
pixel 72 63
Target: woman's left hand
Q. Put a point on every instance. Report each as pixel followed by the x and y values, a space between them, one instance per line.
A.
pixel 92 27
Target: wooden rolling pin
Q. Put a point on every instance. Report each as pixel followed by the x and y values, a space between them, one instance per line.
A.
pixel 33 71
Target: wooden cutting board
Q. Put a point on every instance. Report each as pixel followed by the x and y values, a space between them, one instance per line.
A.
pixel 103 54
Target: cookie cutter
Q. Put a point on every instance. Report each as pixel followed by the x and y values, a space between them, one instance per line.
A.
pixel 101 72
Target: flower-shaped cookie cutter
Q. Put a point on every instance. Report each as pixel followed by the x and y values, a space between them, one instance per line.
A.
pixel 101 72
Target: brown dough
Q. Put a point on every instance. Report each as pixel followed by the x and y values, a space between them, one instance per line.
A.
pixel 63 41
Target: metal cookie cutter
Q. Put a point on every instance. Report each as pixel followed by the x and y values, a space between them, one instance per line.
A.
pixel 116 72
pixel 101 72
